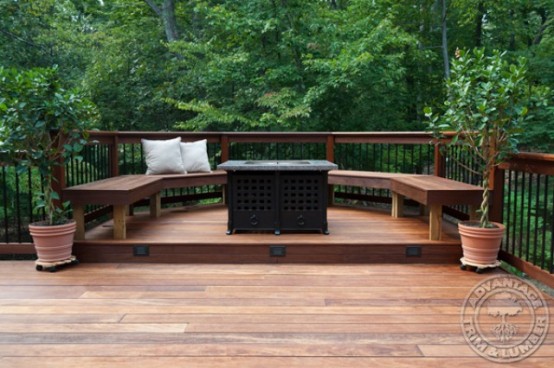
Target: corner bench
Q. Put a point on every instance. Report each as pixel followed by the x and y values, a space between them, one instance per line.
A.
pixel 122 191
pixel 429 190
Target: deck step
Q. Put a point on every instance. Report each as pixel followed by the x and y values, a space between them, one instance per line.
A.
pixel 198 235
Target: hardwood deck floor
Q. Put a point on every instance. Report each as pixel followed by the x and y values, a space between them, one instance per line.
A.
pixel 197 235
pixel 102 315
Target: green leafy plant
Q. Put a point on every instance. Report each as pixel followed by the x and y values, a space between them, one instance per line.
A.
pixel 42 126
pixel 488 101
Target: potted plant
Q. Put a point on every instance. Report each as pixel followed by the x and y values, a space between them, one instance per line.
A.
pixel 487 102
pixel 42 126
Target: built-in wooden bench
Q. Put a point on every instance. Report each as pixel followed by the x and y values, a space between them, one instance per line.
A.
pixel 434 192
pixel 429 190
pixel 123 191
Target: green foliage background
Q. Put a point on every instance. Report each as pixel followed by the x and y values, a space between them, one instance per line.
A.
pixel 272 65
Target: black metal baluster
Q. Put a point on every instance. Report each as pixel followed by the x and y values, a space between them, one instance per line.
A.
pixel 522 210
pixel 515 217
pixel 551 267
pixel 545 219
pixel 18 207
pixel 5 205
pixel 508 212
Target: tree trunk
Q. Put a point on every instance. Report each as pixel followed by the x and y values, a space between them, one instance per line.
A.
pixel 167 13
pixel 544 25
pixel 170 23
pixel 479 24
pixel 445 57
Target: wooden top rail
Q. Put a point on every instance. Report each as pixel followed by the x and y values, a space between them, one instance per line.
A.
pixel 253 137
pixel 536 163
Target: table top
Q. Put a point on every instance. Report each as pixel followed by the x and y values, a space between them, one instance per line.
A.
pixel 277 165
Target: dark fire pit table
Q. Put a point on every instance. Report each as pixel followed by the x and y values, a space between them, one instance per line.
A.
pixel 277 195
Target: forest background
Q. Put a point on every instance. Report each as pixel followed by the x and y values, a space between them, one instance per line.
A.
pixel 273 65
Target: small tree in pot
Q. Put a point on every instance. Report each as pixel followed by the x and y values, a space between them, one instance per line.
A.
pixel 488 100
pixel 42 126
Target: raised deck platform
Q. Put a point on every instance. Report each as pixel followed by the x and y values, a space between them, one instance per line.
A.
pixel 197 235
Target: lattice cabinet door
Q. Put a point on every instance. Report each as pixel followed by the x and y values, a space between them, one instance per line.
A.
pixel 253 204
pixel 303 201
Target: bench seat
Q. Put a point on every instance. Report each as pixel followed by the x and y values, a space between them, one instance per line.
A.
pixel 429 190
pixel 192 179
pixel 369 179
pixel 122 191
pixel 434 192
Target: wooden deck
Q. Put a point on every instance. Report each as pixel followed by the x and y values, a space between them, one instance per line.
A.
pixel 106 315
pixel 197 235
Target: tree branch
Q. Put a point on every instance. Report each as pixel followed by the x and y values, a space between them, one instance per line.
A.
pixel 154 7
pixel 542 30
pixel 16 37
pixel 167 15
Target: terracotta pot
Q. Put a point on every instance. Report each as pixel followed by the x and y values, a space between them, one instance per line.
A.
pixel 480 245
pixel 53 243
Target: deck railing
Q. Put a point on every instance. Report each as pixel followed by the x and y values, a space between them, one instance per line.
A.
pixel 523 193
pixel 527 181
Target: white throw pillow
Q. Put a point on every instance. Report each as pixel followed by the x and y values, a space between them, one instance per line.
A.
pixel 195 156
pixel 163 157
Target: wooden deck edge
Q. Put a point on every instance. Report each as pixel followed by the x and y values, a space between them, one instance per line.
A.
pixel 446 253
pixel 17 248
pixel 533 271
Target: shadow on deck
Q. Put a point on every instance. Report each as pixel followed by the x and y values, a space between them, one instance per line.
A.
pixel 197 235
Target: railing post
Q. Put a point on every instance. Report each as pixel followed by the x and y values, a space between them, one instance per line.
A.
pixel 114 156
pixel 224 148
pixel 497 197
pixel 438 169
pixel 330 156
pixel 58 182
pixel 330 148
pixel 58 175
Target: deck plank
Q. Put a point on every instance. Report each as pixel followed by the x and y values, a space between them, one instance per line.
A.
pixel 254 362
pixel 239 315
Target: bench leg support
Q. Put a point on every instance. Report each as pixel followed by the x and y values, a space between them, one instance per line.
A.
pixel 397 205
pixel 473 215
pixel 435 221
pixel 79 217
pixel 119 228
pixel 156 205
